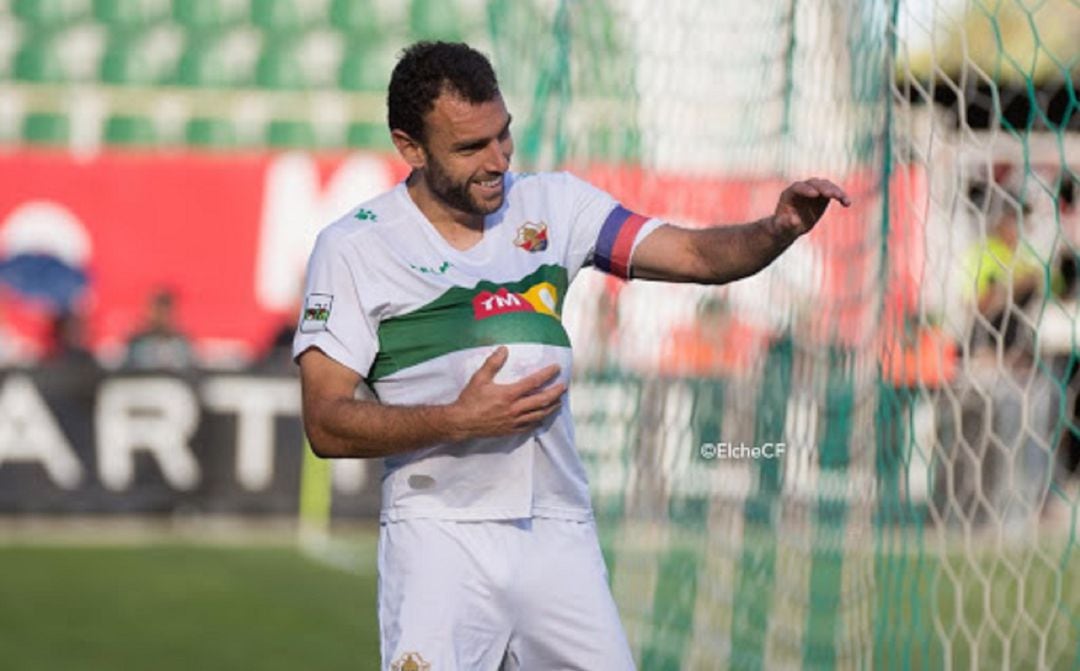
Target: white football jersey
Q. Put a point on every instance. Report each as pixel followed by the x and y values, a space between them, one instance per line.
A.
pixel 388 297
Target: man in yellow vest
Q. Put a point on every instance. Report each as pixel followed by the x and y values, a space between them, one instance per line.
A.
pixel 1007 277
pixel 999 472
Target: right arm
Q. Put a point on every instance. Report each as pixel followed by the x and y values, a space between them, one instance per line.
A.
pixel 339 425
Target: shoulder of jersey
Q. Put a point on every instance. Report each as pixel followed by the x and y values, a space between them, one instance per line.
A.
pixel 366 216
pixel 539 182
pixel 535 180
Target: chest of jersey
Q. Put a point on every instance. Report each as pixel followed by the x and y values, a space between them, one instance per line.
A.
pixel 484 313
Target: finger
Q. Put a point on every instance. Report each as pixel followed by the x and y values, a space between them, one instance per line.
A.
pixel 537 416
pixel 493 364
pixel 538 379
pixel 540 399
pixel 805 189
pixel 830 190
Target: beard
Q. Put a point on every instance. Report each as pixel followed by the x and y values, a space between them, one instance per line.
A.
pixel 456 194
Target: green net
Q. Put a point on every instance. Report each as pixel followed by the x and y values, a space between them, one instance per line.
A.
pixel 914 359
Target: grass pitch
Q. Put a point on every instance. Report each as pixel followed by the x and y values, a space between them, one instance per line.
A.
pixel 180 606
pixel 176 604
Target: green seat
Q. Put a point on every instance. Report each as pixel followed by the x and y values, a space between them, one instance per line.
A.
pixel 130 131
pixel 202 15
pixel 363 69
pixel 128 14
pixel 367 135
pixel 46 128
pixel 46 13
pixel 279 67
pixel 281 17
pixel 202 65
pixel 290 134
pixel 38 61
pixel 210 133
pixel 355 18
pixel 435 20
pixel 124 63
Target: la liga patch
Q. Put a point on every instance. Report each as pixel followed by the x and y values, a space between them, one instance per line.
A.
pixel 316 312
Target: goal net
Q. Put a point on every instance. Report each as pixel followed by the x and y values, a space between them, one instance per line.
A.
pixel 861 457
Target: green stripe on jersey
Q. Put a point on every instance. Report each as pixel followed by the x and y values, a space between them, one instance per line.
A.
pixel 526 311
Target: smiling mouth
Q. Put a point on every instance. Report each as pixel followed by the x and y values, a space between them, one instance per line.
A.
pixel 493 183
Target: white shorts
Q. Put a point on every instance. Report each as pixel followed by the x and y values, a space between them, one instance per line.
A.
pixel 527 594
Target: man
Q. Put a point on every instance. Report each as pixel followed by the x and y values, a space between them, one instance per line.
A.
pixel 444 295
pixel 160 344
pixel 1000 470
pixel 1008 276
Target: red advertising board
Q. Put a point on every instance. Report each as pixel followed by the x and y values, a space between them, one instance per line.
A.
pixel 229 234
pixel 195 224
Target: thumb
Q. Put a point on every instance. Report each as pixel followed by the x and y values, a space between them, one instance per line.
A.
pixel 494 363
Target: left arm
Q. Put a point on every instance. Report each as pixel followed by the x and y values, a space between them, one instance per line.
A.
pixel 722 254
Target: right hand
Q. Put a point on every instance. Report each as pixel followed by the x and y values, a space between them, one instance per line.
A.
pixel 485 408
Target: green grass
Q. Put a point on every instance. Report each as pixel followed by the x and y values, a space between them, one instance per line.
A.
pixel 192 606
pixel 897 605
pixel 1018 609
pixel 182 607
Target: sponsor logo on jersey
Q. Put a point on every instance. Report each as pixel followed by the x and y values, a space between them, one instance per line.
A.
pixel 366 215
pixel 541 297
pixel 532 237
pixel 316 312
pixel 410 661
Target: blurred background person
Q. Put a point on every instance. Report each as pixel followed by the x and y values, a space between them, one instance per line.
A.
pixel 159 345
pixel 997 461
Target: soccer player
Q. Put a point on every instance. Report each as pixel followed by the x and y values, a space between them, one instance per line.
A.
pixel 444 296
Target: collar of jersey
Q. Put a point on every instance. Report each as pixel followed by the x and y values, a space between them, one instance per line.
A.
pixel 477 255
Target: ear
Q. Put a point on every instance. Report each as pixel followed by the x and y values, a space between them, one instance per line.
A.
pixel 409 149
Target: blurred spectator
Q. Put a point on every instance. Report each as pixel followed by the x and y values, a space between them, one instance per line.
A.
pixel 1065 283
pixel 1007 277
pixel 71 372
pixel 68 342
pixel 159 345
pixel 716 344
pixel 996 463
pixel 277 358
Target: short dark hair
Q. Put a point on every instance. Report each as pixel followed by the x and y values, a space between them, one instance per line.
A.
pixel 424 71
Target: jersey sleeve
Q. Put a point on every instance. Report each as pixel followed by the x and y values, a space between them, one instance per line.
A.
pixel 333 317
pixel 604 234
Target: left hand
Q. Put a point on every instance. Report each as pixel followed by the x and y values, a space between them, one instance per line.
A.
pixel 802 204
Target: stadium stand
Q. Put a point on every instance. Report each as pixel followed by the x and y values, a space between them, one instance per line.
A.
pixel 240 72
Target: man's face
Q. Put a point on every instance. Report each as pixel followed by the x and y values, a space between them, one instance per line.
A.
pixel 467 151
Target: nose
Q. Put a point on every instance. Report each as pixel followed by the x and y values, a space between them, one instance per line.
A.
pixel 498 157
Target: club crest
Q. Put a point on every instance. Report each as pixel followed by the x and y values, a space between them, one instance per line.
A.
pixel 410 661
pixel 532 237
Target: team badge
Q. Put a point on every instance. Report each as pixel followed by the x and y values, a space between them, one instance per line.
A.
pixel 532 237
pixel 410 661
pixel 316 312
